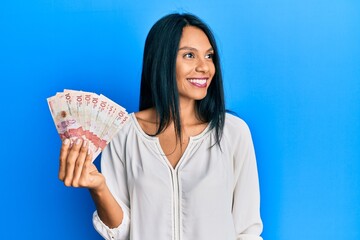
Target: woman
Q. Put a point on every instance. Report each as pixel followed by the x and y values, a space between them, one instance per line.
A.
pixel 181 168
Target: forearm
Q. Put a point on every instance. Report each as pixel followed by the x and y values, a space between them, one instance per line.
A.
pixel 107 207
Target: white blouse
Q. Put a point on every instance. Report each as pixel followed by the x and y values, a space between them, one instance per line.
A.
pixel 212 194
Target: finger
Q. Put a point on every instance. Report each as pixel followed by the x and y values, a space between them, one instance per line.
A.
pixel 84 177
pixel 70 162
pixel 63 155
pixel 79 164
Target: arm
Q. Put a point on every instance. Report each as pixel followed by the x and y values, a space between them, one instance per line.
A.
pixel 108 210
pixel 246 198
pixel 108 221
pixel 77 170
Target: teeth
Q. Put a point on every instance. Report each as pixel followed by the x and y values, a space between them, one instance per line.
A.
pixel 198 81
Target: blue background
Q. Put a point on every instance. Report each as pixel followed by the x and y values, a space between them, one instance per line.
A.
pixel 291 70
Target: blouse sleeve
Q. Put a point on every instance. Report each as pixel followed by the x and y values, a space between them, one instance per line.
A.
pixel 113 169
pixel 246 198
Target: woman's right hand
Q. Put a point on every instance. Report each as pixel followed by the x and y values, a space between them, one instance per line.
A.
pixel 76 167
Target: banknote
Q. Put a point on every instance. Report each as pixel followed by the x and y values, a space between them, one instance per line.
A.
pixel 92 117
pixel 66 124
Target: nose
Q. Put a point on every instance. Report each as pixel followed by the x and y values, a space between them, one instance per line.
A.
pixel 202 66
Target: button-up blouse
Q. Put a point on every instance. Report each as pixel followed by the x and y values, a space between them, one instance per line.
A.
pixel 211 194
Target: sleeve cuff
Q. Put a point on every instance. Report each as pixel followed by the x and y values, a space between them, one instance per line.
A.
pixel 119 233
pixel 248 237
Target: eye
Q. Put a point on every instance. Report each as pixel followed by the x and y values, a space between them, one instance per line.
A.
pixel 209 56
pixel 189 55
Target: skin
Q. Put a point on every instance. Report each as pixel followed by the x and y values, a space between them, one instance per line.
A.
pixel 77 170
pixel 194 62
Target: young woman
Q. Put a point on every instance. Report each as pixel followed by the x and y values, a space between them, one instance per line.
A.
pixel 181 168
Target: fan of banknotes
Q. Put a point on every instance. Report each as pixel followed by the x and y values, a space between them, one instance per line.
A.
pixel 93 117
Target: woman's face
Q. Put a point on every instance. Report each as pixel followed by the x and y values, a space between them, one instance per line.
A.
pixel 194 64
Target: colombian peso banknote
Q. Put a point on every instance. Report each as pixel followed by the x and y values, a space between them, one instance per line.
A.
pixel 87 115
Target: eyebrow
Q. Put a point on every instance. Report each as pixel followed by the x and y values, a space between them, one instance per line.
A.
pixel 193 49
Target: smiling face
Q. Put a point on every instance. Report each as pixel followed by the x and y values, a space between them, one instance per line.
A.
pixel 194 64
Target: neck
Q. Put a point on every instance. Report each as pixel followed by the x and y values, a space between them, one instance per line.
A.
pixel 188 113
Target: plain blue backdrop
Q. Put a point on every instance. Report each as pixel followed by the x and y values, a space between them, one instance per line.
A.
pixel 291 71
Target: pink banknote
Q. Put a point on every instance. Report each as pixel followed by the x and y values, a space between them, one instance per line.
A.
pixel 93 117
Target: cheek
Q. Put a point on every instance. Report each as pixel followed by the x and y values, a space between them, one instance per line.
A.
pixel 212 70
pixel 183 70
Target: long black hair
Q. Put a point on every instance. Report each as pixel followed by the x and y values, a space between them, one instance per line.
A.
pixel 158 78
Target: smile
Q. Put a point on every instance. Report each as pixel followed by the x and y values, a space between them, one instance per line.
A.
pixel 198 82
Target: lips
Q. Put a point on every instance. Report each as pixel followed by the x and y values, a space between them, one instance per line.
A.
pixel 198 82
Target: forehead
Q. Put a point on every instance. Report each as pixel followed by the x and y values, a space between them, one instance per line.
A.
pixel 194 37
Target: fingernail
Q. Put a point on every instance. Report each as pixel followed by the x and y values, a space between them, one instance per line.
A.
pixel 66 141
pixel 85 143
pixel 78 141
pixel 89 151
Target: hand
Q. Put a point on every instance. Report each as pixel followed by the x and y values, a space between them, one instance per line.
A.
pixel 76 167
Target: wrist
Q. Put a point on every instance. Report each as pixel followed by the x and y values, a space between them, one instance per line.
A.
pixel 100 190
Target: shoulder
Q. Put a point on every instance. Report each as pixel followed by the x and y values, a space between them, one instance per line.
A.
pixel 236 130
pixel 125 129
pixel 147 120
pixel 115 147
pixel 140 124
pixel 235 123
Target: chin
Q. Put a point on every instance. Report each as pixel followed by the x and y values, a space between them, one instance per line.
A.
pixel 200 97
pixel 194 95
